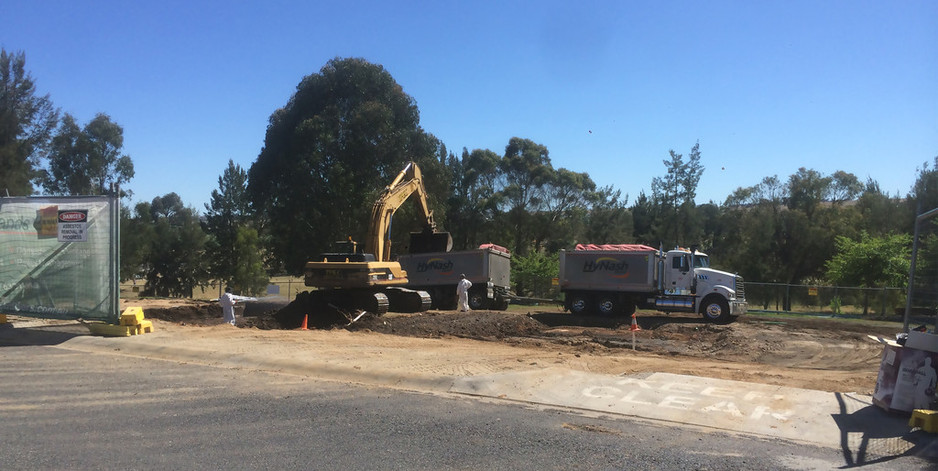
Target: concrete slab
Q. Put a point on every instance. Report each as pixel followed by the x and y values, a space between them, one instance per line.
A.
pixel 835 420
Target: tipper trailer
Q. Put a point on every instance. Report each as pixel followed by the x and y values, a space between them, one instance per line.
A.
pixel 488 268
pixel 617 279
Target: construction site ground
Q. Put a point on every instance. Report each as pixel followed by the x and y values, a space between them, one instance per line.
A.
pixel 801 379
pixel 824 354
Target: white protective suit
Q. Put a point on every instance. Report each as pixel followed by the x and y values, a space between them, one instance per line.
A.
pixel 227 302
pixel 462 292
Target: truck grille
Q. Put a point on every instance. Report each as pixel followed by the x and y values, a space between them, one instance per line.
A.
pixel 740 289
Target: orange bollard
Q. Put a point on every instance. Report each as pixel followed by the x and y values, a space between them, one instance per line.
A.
pixel 305 319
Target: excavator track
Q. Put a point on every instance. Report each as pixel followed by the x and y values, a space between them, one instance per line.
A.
pixel 347 300
pixel 375 302
pixel 408 300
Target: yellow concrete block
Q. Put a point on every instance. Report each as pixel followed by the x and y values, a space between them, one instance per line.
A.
pixel 111 330
pixel 927 420
pixel 3 319
pixel 145 327
pixel 132 315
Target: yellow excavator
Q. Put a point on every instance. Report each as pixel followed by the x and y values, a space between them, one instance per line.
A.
pixel 367 280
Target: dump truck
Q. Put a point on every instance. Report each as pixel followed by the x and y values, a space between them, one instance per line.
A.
pixel 487 267
pixel 617 279
pixel 366 279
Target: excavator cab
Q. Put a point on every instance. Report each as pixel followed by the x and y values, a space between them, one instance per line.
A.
pixel 346 246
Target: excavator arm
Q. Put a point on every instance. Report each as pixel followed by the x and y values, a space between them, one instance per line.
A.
pixel 407 183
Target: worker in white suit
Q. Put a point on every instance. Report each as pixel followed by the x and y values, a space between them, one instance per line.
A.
pixel 227 302
pixel 462 292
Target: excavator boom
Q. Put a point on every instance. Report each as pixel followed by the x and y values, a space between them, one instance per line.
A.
pixel 370 281
pixel 408 182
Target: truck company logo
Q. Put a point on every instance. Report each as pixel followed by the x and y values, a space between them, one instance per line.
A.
pixel 619 268
pixel 439 264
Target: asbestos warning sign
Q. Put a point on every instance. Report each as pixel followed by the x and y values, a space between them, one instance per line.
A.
pixel 73 225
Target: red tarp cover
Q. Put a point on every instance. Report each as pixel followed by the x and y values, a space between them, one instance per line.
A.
pixel 616 247
pixel 493 246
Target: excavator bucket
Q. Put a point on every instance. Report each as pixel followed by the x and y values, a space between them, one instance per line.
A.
pixel 428 241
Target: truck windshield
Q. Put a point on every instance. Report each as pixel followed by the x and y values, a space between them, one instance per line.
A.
pixel 701 261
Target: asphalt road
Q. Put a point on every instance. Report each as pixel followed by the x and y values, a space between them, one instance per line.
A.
pixel 62 409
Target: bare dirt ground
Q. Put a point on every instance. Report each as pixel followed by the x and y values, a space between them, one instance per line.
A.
pixel 825 354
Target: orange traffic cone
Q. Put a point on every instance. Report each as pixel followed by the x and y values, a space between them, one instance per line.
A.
pixel 635 327
pixel 305 319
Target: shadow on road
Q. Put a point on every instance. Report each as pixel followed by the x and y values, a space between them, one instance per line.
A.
pixel 871 435
pixel 12 336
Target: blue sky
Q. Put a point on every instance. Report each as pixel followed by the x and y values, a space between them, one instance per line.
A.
pixel 766 87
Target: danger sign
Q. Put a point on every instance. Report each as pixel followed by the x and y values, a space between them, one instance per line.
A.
pixel 73 225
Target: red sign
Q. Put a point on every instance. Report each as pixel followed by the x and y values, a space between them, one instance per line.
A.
pixel 73 216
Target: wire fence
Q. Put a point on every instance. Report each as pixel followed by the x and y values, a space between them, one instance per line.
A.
pixel 278 286
pixel 885 302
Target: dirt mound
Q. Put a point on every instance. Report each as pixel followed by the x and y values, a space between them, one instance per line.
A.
pixel 479 325
pixel 188 314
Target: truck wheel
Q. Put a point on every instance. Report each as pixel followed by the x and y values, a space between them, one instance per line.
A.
pixel 500 304
pixel 579 304
pixel 477 301
pixel 715 309
pixel 607 306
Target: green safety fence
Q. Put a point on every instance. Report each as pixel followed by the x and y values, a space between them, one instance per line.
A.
pixel 59 257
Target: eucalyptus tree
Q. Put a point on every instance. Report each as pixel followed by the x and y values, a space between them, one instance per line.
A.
pixel 807 189
pixel 568 196
pixel 87 160
pixel 27 121
pixel 168 246
pixel 340 139
pixel 609 221
pixel 472 206
pixel 752 231
pixel 845 187
pixel 673 196
pixel 525 171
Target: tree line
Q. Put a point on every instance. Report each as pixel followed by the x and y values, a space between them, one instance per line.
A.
pixel 349 129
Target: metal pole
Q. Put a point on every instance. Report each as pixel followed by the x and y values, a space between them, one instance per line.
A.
pixel 114 203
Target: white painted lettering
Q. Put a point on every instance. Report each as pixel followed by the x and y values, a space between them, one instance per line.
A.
pixel 677 402
pixel 724 406
pixel 761 411
pixel 679 387
pixel 630 397
pixel 601 392
pixel 717 392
